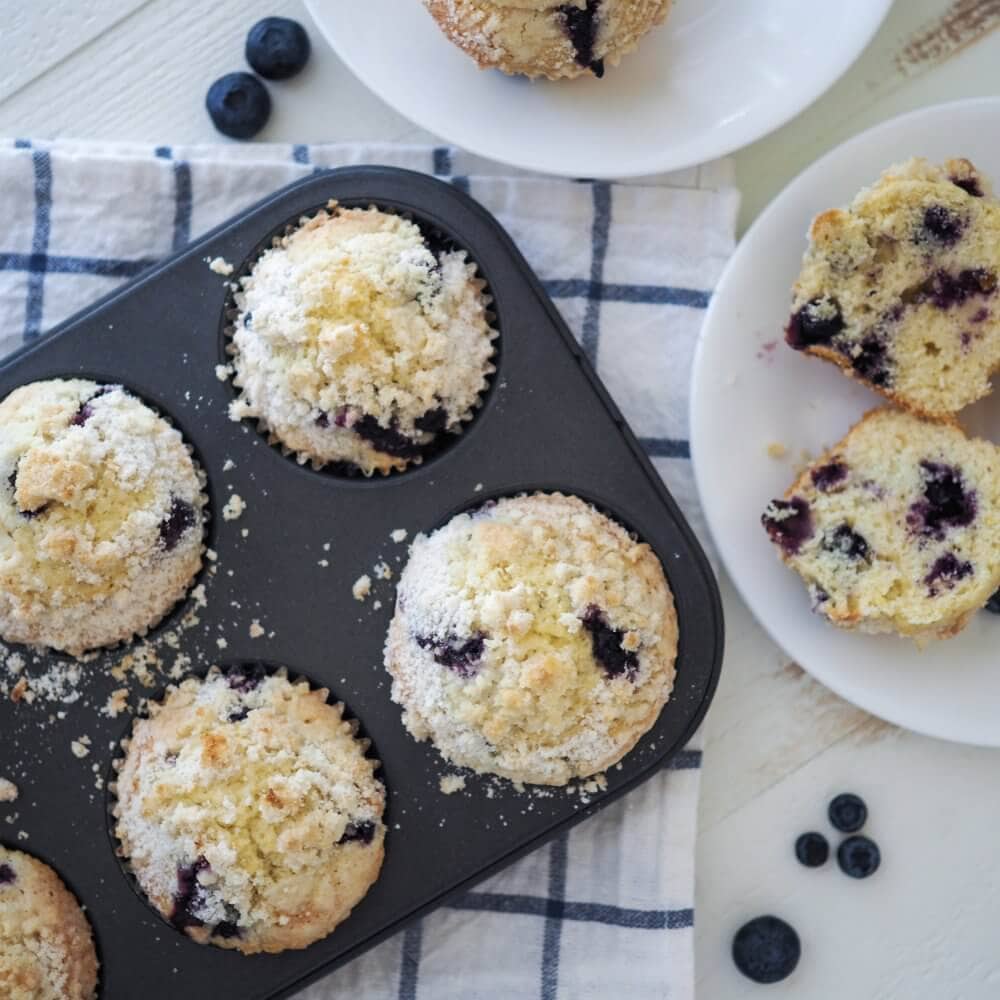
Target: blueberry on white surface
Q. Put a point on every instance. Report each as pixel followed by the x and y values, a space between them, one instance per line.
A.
pixel 848 813
pixel 239 105
pixel 859 857
pixel 277 47
pixel 812 849
pixel 766 949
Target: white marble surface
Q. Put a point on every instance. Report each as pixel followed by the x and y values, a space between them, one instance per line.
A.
pixel 779 745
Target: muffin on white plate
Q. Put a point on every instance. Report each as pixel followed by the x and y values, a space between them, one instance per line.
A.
pixel 360 342
pixel 248 811
pixel 101 515
pixel 896 528
pixel 556 39
pixel 900 289
pixel 533 638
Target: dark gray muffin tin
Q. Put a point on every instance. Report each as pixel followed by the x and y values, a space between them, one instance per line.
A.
pixel 547 423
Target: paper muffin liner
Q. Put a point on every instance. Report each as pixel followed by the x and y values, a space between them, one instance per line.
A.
pixel 182 591
pixel 442 439
pixel 149 709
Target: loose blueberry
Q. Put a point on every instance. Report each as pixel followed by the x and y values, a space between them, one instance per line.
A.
pixel 277 47
pixel 239 105
pixel 993 604
pixel 606 644
pixel 946 503
pixel 246 677
pixel 581 26
pixel 177 523
pixel 363 832
pixel 848 812
pixel 461 655
pixel 788 523
pixel 847 542
pixel 386 439
pixel 827 476
pixel 942 225
pixel 948 570
pixel 812 849
pixel 766 949
pixel 859 857
pixel 7 876
pixel 811 325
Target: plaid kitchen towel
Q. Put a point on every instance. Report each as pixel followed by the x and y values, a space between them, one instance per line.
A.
pixel 607 909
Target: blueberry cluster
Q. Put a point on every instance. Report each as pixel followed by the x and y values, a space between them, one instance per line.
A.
pixel 238 103
pixel 766 949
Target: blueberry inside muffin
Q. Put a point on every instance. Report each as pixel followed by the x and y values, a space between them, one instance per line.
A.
pixel 360 341
pixel 895 529
pixel 46 946
pixel 101 515
pixel 901 289
pixel 533 638
pixel 248 811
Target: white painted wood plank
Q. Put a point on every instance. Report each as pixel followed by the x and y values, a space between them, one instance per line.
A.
pixel 36 36
pixel 146 80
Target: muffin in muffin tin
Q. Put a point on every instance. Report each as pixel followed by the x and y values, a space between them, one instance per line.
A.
pixel 101 515
pixel 46 946
pixel 248 811
pixel 361 341
pixel 901 289
pixel 533 638
pixel 547 38
pixel 896 528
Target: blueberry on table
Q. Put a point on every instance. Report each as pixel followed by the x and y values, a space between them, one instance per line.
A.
pixel 766 949
pixel 859 857
pixel 277 47
pixel 848 813
pixel 812 849
pixel 239 105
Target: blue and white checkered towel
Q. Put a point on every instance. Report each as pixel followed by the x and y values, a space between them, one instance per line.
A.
pixel 608 909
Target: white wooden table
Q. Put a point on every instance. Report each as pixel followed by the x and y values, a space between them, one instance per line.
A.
pixel 779 745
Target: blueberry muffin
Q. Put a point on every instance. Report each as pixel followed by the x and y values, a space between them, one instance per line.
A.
pixel 360 341
pixel 533 638
pixel 900 289
pixel 248 811
pixel 101 511
pixel 46 948
pixel 550 38
pixel 896 528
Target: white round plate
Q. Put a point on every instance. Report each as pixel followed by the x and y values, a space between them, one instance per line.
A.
pixel 718 75
pixel 749 390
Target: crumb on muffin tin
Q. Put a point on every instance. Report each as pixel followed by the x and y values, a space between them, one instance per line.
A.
pixel 359 340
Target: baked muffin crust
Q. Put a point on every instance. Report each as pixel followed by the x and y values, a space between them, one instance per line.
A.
pixel 533 638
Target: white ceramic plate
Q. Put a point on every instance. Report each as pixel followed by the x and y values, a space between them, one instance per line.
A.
pixel 749 389
pixel 718 75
